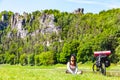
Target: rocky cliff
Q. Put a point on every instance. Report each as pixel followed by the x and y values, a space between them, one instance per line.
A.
pixel 17 21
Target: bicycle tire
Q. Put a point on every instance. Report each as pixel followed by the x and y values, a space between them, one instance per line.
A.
pixel 94 68
pixel 103 69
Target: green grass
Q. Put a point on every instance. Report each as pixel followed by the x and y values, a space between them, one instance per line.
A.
pixel 56 72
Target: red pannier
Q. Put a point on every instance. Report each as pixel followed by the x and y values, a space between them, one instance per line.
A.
pixel 97 53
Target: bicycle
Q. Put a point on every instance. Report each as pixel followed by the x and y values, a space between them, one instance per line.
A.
pixel 102 61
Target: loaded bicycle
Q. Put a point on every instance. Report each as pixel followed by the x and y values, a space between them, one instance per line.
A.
pixel 102 61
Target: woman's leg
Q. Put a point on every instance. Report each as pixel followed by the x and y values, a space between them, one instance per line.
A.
pixel 68 72
pixel 80 72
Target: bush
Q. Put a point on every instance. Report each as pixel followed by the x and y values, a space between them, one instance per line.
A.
pixel 31 59
pixel 66 51
pixel 116 55
pixel 23 59
pixel 46 58
pixel 63 58
pixel 1 58
pixel 37 60
pixel 7 55
pixel 85 53
pixel 11 59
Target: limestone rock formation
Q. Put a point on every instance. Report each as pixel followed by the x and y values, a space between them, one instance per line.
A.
pixel 17 23
pixel 47 24
pixel 79 10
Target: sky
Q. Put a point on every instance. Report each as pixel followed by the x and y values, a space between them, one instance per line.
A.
pixel 92 6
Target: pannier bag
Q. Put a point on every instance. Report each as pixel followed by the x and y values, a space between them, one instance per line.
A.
pixel 107 63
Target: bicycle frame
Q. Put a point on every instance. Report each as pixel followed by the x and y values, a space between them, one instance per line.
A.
pixel 102 61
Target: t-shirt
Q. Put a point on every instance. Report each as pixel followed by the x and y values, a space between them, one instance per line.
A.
pixel 72 69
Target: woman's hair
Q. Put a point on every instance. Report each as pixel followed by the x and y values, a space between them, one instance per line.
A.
pixel 74 58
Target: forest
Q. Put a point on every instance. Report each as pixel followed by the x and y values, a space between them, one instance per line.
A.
pixel 50 36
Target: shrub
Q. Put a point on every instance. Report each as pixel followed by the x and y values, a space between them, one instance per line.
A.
pixel 23 59
pixel 47 58
pixel 1 58
pixel 7 55
pixel 37 60
pixel 85 53
pixel 11 59
pixel 116 55
pixel 63 58
pixel 31 59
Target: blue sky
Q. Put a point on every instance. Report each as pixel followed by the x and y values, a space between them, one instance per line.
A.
pixel 94 6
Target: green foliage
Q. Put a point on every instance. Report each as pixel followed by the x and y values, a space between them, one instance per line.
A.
pixel 7 15
pixel 85 53
pixel 2 58
pixel 31 59
pixel 11 59
pixel 23 59
pixel 46 58
pixel 117 52
pixel 68 49
pixel 7 57
pixel 81 34
pixel 37 60
pixel 36 13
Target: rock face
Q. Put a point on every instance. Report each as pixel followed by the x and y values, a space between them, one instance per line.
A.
pixel 17 22
pixel 20 24
pixel 79 10
pixel 47 24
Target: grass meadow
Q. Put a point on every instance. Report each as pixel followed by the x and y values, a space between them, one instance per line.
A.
pixel 56 72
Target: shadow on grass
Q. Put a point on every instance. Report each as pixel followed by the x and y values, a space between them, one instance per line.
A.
pixel 113 73
pixel 110 73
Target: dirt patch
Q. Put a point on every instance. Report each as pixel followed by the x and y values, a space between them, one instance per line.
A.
pixel 113 73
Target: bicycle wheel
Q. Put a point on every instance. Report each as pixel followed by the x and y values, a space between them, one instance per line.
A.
pixel 103 69
pixel 95 69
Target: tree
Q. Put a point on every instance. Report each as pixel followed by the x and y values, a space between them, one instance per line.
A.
pixel 23 59
pixel 46 58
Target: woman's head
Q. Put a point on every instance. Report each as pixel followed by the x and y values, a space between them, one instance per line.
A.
pixel 73 60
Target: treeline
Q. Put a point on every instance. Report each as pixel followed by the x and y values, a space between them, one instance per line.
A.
pixel 81 34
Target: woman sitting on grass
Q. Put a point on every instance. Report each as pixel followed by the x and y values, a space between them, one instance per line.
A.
pixel 72 67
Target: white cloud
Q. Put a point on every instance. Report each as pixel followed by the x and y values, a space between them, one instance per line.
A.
pixel 83 1
pixel 108 4
pixel 113 6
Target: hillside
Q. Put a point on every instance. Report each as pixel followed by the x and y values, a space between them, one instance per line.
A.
pixel 50 36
